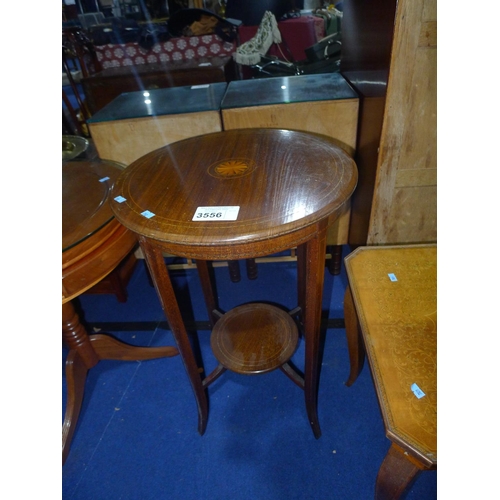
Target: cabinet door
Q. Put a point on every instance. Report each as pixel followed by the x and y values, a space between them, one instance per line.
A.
pixel 405 197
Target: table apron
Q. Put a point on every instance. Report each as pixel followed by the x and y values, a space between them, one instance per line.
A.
pixel 245 250
pixel 94 266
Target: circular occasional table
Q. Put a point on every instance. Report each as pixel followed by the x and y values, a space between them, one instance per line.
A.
pixel 232 195
pixel 93 243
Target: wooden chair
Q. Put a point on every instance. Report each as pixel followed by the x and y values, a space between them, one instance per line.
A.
pixel 78 57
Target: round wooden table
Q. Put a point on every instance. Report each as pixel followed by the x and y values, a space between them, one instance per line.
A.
pixel 234 195
pixel 94 243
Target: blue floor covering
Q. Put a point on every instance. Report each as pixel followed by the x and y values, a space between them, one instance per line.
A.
pixel 137 433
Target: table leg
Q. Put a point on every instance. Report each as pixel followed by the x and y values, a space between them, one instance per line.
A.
pixel 354 339
pixel 85 352
pixel 252 270
pixel 336 260
pixel 396 474
pixel 161 279
pixel 80 359
pixel 311 269
pixel 206 279
pixel 76 374
pixel 234 270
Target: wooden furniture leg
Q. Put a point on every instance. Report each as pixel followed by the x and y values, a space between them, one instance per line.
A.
pixel 354 338
pixel 311 265
pixel 397 472
pixel 252 269
pixel 81 359
pixel 234 270
pixel 76 374
pixel 118 286
pixel 335 262
pixel 85 352
pixel 204 272
pixel 391 318
pixel 235 273
pixel 117 280
pixel 163 285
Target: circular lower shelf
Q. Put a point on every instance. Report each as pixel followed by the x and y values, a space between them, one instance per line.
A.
pixel 254 338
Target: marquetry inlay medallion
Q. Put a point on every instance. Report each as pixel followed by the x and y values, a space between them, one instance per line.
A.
pixel 237 167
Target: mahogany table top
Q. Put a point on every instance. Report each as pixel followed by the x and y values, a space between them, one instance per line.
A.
pixel 277 183
pixel 86 185
pixel 93 241
pixel 395 294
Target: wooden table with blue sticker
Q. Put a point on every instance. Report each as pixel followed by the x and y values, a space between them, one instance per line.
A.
pixel 241 194
pixel 390 311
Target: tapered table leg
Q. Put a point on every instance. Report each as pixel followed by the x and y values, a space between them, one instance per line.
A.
pixel 165 291
pixel 354 338
pixel 311 267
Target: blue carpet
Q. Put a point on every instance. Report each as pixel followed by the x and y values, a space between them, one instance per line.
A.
pixel 137 433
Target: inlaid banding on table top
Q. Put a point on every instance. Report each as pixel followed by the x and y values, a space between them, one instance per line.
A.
pixel 292 180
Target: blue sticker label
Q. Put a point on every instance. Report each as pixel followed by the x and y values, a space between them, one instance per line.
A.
pixel 147 214
pixel 104 179
pixel 120 199
pixel 417 391
pixel 392 277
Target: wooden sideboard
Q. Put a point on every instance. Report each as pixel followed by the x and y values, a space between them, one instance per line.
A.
pixel 389 54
